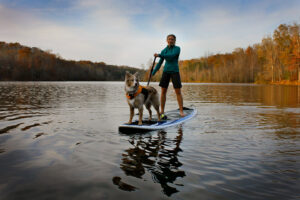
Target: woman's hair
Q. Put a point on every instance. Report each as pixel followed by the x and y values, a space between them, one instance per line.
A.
pixel 172 36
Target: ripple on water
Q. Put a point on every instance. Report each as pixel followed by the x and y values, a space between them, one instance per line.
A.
pixel 243 144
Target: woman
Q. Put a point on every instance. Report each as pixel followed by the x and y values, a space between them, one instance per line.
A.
pixel 171 71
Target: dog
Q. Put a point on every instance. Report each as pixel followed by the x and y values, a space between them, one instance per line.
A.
pixel 138 95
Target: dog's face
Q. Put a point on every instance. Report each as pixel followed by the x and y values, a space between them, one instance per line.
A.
pixel 131 81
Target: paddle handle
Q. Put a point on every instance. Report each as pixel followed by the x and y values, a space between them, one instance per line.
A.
pixel 150 75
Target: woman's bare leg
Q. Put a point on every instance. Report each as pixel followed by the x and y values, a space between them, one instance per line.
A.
pixel 163 99
pixel 179 100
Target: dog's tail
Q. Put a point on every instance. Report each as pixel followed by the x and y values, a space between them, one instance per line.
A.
pixel 151 90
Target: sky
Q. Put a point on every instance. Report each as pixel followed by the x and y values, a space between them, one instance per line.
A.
pixel 129 32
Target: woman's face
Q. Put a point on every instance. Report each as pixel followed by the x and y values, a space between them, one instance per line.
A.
pixel 171 41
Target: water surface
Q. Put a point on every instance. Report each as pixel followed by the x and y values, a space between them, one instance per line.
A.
pixel 60 140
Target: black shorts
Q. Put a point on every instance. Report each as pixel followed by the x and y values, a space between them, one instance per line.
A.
pixel 165 80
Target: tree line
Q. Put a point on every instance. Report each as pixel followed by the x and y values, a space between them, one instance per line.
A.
pixel 275 59
pixel 22 63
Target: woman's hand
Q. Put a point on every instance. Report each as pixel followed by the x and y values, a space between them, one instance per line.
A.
pixel 156 55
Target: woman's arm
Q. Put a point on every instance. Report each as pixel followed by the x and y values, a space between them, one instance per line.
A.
pixel 158 65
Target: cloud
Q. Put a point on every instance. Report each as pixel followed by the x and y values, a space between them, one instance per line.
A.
pixel 29 30
pixel 224 27
pixel 129 32
pixel 102 35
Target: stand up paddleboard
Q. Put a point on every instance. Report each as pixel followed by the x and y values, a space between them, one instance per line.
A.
pixel 173 118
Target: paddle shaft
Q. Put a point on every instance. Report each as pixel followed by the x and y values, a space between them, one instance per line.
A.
pixel 151 71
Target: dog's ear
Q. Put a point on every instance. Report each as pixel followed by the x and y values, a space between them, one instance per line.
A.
pixel 127 74
pixel 136 74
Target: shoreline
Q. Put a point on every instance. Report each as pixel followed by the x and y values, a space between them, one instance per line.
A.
pixel 258 83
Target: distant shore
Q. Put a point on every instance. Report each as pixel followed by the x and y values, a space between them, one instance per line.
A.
pixel 285 82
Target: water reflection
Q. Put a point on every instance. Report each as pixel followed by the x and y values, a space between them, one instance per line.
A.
pixel 156 154
pixel 123 186
pixel 268 95
pixel 243 144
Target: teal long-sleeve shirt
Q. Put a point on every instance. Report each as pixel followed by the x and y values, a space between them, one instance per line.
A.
pixel 171 55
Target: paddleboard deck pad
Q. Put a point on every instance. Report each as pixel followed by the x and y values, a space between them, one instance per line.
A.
pixel 173 118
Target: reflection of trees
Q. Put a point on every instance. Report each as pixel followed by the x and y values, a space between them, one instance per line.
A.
pixel 158 155
pixel 269 95
pixel 16 96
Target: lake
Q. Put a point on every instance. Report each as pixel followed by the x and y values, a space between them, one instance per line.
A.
pixel 60 140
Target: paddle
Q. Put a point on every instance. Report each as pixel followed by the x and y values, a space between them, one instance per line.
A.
pixel 151 71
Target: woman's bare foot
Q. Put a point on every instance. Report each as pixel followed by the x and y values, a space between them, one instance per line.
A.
pixel 182 114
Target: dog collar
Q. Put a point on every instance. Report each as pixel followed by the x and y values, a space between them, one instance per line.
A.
pixel 139 90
